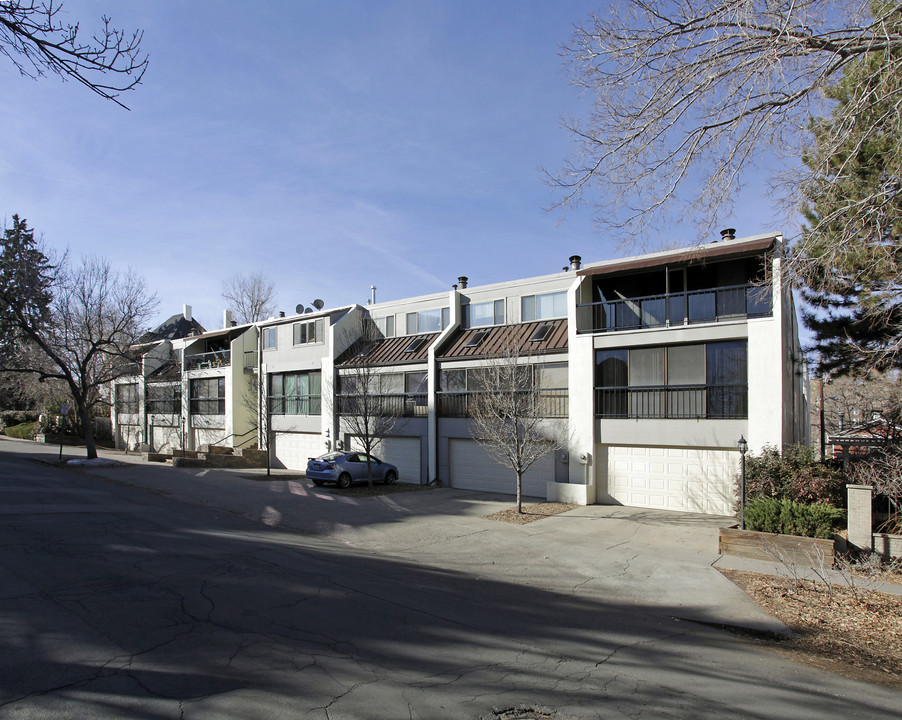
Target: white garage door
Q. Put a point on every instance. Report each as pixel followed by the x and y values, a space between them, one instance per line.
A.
pixel 292 449
pixel 686 479
pixel 404 452
pixel 472 468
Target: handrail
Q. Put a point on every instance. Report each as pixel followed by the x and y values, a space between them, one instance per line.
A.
pixel 553 402
pixel 216 358
pixel 295 404
pixel 672 401
pixel 236 435
pixel 389 404
pixel 679 308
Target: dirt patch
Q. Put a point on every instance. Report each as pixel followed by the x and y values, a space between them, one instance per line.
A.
pixel 530 513
pixel 855 633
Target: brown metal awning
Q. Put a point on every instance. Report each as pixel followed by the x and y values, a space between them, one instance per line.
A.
pixel 498 339
pixel 699 253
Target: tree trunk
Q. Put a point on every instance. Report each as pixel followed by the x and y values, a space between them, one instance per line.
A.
pixel 519 493
pixel 88 429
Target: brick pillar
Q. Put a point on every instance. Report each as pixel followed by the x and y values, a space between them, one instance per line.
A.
pixel 859 517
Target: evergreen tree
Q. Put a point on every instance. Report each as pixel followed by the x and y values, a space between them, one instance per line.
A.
pixel 849 257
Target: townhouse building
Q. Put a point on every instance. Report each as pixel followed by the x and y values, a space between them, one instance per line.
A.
pixel 650 369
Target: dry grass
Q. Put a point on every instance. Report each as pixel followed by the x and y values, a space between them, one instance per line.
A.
pixel 530 513
pixel 853 633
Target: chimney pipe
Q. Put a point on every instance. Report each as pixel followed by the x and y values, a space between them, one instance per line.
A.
pixel 227 318
pixel 281 313
pixel 373 294
pixel 462 280
pixel 575 262
pixel 728 234
pixel 186 312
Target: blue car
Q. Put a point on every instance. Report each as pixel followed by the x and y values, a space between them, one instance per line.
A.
pixel 344 468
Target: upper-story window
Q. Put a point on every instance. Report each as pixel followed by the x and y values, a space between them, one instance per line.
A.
pixel 484 313
pixel 386 325
pixel 127 399
pixel 543 307
pixel 207 396
pixel 426 321
pixel 304 333
pixel 269 338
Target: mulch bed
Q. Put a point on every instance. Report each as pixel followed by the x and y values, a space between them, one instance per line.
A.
pixel 855 633
pixel 531 513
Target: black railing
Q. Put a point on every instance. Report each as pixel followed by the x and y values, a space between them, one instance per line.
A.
pixel 698 306
pixel 553 403
pixel 164 406
pixel 215 359
pixel 395 405
pixel 295 404
pixel 674 401
pixel 207 406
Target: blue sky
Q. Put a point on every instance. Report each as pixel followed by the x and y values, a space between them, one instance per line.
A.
pixel 333 145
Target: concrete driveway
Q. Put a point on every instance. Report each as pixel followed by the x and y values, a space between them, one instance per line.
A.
pixel 150 592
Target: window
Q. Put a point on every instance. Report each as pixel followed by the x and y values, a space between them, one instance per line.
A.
pixel 427 321
pixel 540 333
pixel 269 338
pixel 304 333
pixel 127 400
pixel 295 393
pixel 207 396
pixel 680 381
pixel 543 307
pixel 386 325
pixel 484 313
pixel 477 338
pixel 164 398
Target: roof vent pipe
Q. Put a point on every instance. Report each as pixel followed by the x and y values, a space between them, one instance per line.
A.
pixel 373 294
pixel 462 280
pixel 728 234
pixel 281 313
pixel 575 262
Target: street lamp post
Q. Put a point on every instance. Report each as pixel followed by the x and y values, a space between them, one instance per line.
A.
pixel 743 449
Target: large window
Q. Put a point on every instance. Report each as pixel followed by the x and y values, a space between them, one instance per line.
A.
pixel 164 398
pixel 549 381
pixel 427 321
pixel 295 393
pixel 484 313
pixel 679 381
pixel 543 307
pixel 304 333
pixel 127 401
pixel 207 396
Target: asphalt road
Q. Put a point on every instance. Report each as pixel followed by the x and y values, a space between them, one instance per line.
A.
pixel 156 593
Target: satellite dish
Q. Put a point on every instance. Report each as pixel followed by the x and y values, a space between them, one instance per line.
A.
pixel 299 309
pixel 308 310
pixel 318 304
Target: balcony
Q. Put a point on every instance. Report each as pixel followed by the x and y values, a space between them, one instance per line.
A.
pixel 675 309
pixel 204 361
pixel 295 404
pixel 395 405
pixel 673 401
pixel 552 403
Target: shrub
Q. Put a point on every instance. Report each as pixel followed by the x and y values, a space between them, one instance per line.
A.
pixel 786 517
pixel 22 431
pixel 795 474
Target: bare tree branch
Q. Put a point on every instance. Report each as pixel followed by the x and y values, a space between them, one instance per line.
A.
pixel 37 41
pixel 251 296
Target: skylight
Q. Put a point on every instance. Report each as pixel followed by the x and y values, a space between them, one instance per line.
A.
pixel 416 344
pixel 540 333
pixel 477 338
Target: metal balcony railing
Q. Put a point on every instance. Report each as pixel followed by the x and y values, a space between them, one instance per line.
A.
pixel 295 404
pixel 673 401
pixel 215 359
pixel 394 405
pixel 654 311
pixel 552 403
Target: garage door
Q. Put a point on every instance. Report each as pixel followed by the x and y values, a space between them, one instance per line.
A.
pixel 472 468
pixel 688 479
pixel 404 452
pixel 292 450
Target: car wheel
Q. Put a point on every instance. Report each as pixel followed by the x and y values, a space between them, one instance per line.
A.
pixel 344 480
pixel 390 477
pixel 318 482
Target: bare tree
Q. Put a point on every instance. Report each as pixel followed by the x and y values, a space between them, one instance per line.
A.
pixel 509 414
pixel 369 402
pixel 688 94
pixel 35 38
pixel 96 314
pixel 251 296
pixel 883 472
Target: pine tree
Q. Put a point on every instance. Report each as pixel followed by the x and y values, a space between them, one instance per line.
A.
pixel 850 259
